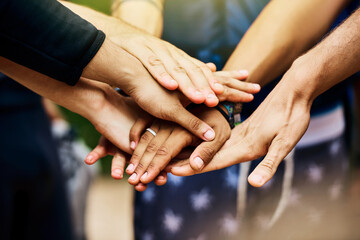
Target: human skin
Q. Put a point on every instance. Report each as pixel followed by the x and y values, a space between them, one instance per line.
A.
pixel 283 117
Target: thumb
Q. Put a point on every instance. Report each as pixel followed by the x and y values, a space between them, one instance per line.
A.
pixel 266 169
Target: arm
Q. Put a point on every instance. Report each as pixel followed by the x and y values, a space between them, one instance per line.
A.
pixel 283 31
pixel 143 14
pixel 281 120
pixel 170 66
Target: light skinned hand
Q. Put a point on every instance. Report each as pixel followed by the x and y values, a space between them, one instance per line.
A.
pixel 118 162
pixel 131 76
pixel 272 130
pixel 153 153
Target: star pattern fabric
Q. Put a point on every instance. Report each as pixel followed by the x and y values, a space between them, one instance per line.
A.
pixel 204 207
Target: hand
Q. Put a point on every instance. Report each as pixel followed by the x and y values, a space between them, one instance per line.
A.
pixel 234 90
pixel 273 129
pixel 104 148
pixel 153 153
pixel 172 67
pixel 135 80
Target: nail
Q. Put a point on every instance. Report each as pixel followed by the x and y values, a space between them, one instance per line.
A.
pixel 130 168
pixel 143 177
pixel 257 179
pixel 209 135
pixel 197 92
pixel 256 86
pixel 132 145
pixel 133 177
pixel 219 86
pixel 244 72
pixel 199 163
pixel 173 82
pixel 89 158
pixel 211 95
pixel 160 177
pixel 117 172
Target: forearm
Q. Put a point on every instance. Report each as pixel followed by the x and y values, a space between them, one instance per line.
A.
pixel 281 33
pixel 143 14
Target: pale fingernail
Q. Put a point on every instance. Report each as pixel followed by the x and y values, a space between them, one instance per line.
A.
pixel 257 179
pixel 132 145
pixel 211 95
pixel 133 177
pixel 244 72
pixel 117 172
pixel 218 86
pixel 173 82
pixel 256 86
pixel 161 177
pixel 209 135
pixel 198 92
pixel 143 177
pixel 89 158
pixel 199 163
pixel 130 168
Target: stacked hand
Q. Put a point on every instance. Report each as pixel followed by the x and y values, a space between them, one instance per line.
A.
pixel 152 153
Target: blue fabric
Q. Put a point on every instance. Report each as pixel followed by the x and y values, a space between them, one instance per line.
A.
pixel 33 200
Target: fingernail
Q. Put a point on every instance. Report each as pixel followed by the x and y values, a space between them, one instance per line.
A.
pixel 173 82
pixel 209 135
pixel 160 177
pixel 132 145
pixel 218 86
pixel 244 72
pixel 257 179
pixel 133 177
pixel 130 168
pixel 211 95
pixel 143 177
pixel 89 158
pixel 256 86
pixel 118 172
pixel 198 93
pixel 199 163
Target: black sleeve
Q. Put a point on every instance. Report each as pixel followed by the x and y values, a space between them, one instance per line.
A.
pixel 47 37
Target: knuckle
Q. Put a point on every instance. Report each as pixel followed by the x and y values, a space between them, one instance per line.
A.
pixel 269 165
pixel 162 151
pixel 154 61
pixel 140 167
pixel 146 137
pixel 195 123
pixel 179 69
pixel 151 148
pixel 207 153
pixel 154 168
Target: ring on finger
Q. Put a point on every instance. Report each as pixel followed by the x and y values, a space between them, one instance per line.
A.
pixel 151 131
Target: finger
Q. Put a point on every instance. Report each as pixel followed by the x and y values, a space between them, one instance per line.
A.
pixel 201 76
pixel 140 149
pixel 205 152
pixel 98 152
pixel 161 179
pixel 118 165
pixel 140 187
pixel 145 162
pixel 153 63
pixel 211 66
pixel 233 95
pixel 180 74
pixel 192 123
pixel 178 140
pixel 136 130
pixel 266 169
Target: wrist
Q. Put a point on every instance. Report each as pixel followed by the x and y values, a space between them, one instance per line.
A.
pixel 301 80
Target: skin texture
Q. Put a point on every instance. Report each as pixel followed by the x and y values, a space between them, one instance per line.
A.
pixel 281 120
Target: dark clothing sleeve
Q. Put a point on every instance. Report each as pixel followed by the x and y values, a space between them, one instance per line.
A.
pixel 47 37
